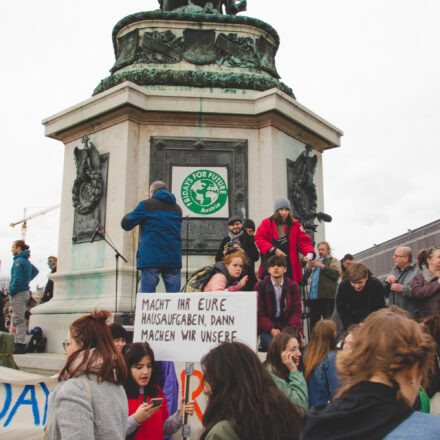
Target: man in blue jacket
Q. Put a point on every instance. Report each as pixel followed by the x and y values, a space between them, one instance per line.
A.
pixel 160 247
pixel 22 273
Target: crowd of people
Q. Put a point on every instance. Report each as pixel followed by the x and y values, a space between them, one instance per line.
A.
pixel 371 351
pixel 373 387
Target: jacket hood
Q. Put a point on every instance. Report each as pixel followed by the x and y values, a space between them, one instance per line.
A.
pixel 25 254
pixel 428 275
pixel 221 267
pixel 164 196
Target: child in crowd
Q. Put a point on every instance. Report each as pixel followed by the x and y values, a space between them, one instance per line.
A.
pixel 320 363
pixel 282 362
pixel 147 405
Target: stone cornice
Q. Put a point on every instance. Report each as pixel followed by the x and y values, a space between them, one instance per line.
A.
pixel 128 101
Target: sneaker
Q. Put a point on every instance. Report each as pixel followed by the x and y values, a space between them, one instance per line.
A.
pixel 19 348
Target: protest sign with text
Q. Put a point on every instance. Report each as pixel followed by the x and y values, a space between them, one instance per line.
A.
pixel 185 326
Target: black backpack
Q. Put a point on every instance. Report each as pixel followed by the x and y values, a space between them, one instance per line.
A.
pixel 199 279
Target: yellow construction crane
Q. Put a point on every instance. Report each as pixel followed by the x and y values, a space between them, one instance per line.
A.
pixel 25 218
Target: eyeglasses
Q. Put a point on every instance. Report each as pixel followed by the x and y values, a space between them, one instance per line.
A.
pixel 66 345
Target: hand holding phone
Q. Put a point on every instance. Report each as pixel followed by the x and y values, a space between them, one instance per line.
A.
pixel 156 401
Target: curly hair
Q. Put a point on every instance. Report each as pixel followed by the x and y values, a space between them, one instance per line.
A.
pixel 244 393
pixel 386 343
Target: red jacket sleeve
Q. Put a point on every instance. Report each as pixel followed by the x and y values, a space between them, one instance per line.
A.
pixel 263 236
pixel 264 322
pixel 294 315
pixel 305 244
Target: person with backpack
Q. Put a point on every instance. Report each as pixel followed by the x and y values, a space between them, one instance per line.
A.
pixel 238 239
pixel 281 234
pixel 279 302
pixel 22 273
pixel 226 274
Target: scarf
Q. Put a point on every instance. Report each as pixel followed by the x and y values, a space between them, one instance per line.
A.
pixel 235 237
pixel 315 280
pixel 367 411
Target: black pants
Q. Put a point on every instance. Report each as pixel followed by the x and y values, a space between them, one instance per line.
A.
pixel 320 307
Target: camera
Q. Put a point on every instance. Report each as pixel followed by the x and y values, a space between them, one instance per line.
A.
pixel 230 246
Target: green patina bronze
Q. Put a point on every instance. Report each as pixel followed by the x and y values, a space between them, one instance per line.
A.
pixel 193 78
pixel 145 52
pixel 196 18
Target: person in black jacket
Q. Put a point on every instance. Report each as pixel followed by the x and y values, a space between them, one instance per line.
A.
pixel 358 295
pixel 238 239
pixel 48 290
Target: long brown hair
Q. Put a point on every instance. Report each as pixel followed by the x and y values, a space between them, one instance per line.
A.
pixel 98 354
pixel 273 359
pixel 322 341
pixel 243 392
pixel 386 343
pixel 290 220
pixel 133 354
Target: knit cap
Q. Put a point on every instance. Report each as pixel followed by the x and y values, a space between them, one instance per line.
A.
pixel 282 202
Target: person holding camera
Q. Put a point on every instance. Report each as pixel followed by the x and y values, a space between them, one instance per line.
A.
pixel 239 240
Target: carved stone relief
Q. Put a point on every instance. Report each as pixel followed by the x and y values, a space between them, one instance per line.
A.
pixel 89 190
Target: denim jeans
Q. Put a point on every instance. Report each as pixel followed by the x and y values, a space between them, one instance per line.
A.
pixel 150 279
pixel 265 339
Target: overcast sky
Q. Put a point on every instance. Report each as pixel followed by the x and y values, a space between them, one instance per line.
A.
pixel 370 68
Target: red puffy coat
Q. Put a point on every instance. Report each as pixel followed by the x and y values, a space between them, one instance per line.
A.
pixel 299 240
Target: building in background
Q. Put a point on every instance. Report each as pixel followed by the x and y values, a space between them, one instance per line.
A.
pixel 379 258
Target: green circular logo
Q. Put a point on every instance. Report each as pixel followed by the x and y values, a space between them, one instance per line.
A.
pixel 204 192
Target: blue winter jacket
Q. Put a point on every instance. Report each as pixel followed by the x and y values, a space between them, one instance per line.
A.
pixel 323 383
pixel 22 273
pixel 160 220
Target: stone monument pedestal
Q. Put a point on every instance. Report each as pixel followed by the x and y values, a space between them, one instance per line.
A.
pixel 193 99
pixel 127 122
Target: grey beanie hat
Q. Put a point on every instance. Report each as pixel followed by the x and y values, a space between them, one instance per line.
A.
pixel 282 202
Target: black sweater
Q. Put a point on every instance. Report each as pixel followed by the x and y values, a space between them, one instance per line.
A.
pixel 354 306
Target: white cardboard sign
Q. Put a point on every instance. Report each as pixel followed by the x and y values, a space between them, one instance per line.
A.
pixel 182 327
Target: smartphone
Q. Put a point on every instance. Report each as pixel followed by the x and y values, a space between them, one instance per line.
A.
pixel 156 401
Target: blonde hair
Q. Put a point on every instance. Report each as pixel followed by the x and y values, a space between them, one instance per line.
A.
pixel 386 343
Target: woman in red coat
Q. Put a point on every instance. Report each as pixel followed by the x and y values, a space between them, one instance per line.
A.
pixel 282 235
